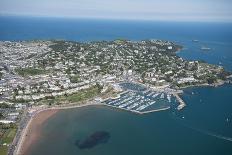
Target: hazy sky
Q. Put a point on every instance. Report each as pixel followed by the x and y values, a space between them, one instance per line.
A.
pixel 181 10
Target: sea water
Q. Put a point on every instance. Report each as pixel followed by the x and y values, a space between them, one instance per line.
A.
pixel 203 127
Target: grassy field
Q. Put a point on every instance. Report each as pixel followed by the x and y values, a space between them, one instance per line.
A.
pixel 74 98
pixel 83 95
pixel 3 150
pixel 7 138
pixel 79 97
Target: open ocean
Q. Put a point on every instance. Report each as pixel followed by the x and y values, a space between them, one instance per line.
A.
pixel 203 127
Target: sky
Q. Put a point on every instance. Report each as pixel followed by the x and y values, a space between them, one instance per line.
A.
pixel 170 10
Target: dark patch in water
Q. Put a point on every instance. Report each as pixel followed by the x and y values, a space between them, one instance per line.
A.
pixel 99 137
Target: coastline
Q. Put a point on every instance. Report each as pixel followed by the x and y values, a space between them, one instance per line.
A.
pixel 40 115
pixel 216 84
pixel 31 132
pixel 37 117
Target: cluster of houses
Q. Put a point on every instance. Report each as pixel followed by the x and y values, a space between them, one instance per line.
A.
pixel 11 113
pixel 69 67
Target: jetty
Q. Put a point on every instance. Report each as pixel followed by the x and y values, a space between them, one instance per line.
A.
pixel 135 111
pixel 155 110
pixel 181 102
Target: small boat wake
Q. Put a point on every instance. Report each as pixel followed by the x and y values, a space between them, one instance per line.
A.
pixel 206 132
pixel 211 134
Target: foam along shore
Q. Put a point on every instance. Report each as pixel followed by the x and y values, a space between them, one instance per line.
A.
pixel 32 130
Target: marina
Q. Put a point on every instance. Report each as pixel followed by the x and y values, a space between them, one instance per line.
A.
pixel 139 99
pixel 205 124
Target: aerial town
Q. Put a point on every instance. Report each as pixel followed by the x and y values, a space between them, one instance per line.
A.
pixel 56 72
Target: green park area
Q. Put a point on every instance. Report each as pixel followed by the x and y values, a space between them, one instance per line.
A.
pixel 6 139
pixel 73 98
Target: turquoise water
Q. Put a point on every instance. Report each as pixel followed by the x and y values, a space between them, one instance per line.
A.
pixel 203 127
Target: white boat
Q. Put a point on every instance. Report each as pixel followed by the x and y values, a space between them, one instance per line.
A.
pixel 143 107
pixel 152 103
pixel 205 48
pixel 169 98
pixel 132 106
pixel 150 94
pixel 154 96
pixel 162 95
pixel 195 40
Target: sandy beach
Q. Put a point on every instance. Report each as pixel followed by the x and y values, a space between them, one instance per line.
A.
pixel 32 131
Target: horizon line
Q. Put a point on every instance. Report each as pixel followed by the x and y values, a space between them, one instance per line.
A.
pixel 115 19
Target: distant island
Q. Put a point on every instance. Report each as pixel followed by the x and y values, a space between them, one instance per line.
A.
pixel 57 74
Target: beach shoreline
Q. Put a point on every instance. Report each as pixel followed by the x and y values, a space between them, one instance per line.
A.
pixel 32 130
pixel 39 115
